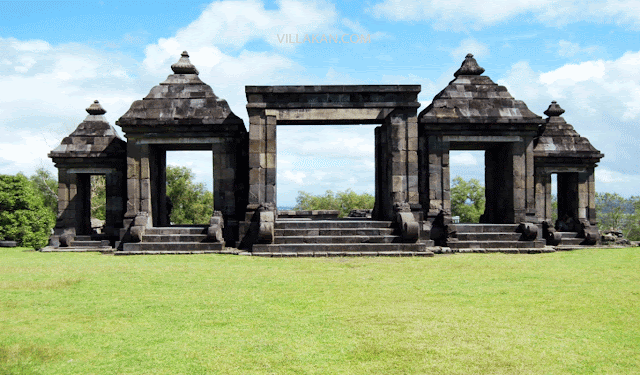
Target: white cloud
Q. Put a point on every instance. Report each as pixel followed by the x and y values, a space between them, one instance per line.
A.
pixel 470 45
pixel 604 86
pixel 461 14
pixel 462 158
pixel 569 49
pixel 231 24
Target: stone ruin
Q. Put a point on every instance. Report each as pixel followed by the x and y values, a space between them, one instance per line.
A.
pixel 412 213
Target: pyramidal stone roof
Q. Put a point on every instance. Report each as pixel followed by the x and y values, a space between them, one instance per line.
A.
pixel 93 138
pixel 474 98
pixel 182 99
pixel 559 139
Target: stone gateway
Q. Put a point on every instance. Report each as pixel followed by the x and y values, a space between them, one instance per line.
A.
pixel 412 213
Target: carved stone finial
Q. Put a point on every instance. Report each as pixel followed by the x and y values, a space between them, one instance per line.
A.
pixel 469 67
pixel 96 109
pixel 554 110
pixel 184 66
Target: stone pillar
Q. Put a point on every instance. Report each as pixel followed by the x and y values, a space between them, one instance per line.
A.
pixel 591 205
pixel 224 185
pixel 401 129
pixel 138 182
pixel 435 180
pixel 530 187
pixel 520 181
pixel 544 207
pixel 584 195
pixel 377 209
pixel 65 222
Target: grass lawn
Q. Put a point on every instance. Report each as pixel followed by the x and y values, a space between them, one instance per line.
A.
pixel 562 313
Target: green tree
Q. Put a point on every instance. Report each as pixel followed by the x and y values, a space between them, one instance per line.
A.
pixel 98 197
pixel 616 212
pixel 192 203
pixel 23 215
pixel 467 199
pixel 47 186
pixel 343 201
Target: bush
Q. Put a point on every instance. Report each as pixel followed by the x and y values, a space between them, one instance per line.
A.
pixel 23 215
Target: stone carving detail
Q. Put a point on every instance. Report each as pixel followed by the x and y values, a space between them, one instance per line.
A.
pixel 550 234
pixel 214 231
pixel 409 227
pixel 529 231
pixel 267 218
pixel 66 240
pixel 589 232
pixel 138 227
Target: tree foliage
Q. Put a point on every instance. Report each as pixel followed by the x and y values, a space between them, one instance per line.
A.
pixel 616 212
pixel 192 203
pixel 98 197
pixel 23 215
pixel 467 199
pixel 343 201
pixel 46 185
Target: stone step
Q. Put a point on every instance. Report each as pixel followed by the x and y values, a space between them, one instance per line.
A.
pixel 176 230
pixel 102 244
pixel 288 254
pixel 172 246
pixel 335 239
pixel 491 236
pixel 174 237
pixel 564 235
pixel 334 232
pixel 339 247
pixel 485 228
pixel 171 252
pixel 494 244
pixel 571 241
pixel 328 224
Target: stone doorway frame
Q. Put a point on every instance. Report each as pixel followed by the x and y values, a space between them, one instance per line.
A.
pixel 393 107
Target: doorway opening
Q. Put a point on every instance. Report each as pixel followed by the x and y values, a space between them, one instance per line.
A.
pixel 188 188
pixel 467 184
pixel 326 166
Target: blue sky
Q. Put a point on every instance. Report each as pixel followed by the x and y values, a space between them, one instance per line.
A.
pixel 57 57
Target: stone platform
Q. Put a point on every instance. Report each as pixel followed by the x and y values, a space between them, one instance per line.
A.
pixel 493 238
pixel 341 237
pixel 175 239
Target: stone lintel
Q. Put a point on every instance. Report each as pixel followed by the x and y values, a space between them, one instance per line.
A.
pixel 92 170
pixel 329 115
pixel 473 138
pixel 180 140
pixel 332 89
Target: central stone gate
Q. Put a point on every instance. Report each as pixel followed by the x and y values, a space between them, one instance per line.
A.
pixel 394 107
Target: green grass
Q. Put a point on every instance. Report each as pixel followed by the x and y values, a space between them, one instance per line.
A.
pixel 561 313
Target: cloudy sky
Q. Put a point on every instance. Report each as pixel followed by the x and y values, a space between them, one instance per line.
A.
pixel 56 57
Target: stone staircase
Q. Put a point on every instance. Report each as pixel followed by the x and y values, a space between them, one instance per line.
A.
pixel 83 243
pixel 570 241
pixel 339 237
pixel 173 240
pixel 486 238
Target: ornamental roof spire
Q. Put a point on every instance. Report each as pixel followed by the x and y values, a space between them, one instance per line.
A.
pixel 469 67
pixel 184 65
